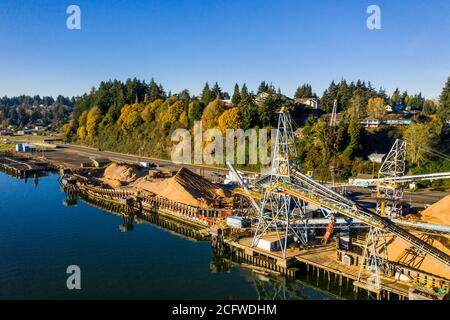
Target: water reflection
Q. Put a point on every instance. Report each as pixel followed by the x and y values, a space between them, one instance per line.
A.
pixel 260 286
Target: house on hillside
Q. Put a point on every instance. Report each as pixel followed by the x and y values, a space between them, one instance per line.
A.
pixel 312 102
pixel 227 103
pixel 24 132
pixel 398 122
pixel 261 97
pixel 398 107
pixel 370 122
pixel 376 157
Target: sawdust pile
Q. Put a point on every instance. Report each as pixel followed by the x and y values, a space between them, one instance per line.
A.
pixel 401 252
pixel 117 175
pixel 185 187
pixel 438 213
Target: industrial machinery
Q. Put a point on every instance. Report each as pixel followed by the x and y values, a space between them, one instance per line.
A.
pixel 286 192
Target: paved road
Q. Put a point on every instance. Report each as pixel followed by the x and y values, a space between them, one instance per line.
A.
pixel 88 152
pixel 419 199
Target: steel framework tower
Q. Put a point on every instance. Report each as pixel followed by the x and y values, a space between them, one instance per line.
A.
pixel 279 213
pixel 375 257
pixel 390 193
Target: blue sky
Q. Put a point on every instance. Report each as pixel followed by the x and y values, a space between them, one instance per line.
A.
pixel 183 44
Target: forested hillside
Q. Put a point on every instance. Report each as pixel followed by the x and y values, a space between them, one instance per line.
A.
pixel 19 112
pixel 139 117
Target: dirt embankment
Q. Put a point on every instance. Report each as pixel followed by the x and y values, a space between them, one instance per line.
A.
pixel 185 187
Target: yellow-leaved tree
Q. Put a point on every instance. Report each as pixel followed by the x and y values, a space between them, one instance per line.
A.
pixel 376 107
pixel 211 114
pixel 81 133
pixel 148 114
pixel 229 119
pixel 93 119
pixel 130 117
pixel 173 113
pixel 184 121
pixel 418 137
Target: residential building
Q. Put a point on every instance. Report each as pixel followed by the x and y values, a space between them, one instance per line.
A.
pixel 370 122
pixel 398 108
pixel 376 157
pixel 312 102
pixel 398 122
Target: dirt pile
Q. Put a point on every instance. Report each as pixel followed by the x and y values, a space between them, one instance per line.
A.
pixel 399 251
pixel 119 174
pixel 438 213
pixel 185 187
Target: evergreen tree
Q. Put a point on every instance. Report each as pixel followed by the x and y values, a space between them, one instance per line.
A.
pixel 216 91
pixel 354 128
pixel 395 97
pixel 162 92
pixel 207 95
pixel 269 108
pixel 195 111
pixel 244 92
pixel 153 91
pixel 404 98
pixel 263 87
pixel 382 94
pixel 444 103
pixel 304 91
pixel 248 111
pixel 236 95
pixel 185 98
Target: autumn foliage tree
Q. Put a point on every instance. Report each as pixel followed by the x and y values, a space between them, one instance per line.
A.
pixel 418 137
pixel 211 113
pixel 130 117
pixel 229 119
pixel 92 121
pixel 376 107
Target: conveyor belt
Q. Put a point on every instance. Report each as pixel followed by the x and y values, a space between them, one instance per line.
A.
pixel 322 197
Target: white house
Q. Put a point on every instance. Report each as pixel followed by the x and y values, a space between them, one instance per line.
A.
pixel 370 122
pixel 311 102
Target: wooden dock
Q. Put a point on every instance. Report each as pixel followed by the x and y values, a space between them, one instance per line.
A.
pixel 318 260
pixel 179 227
pixel 195 216
pixel 20 167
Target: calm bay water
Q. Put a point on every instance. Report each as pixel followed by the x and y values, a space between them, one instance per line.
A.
pixel 40 237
